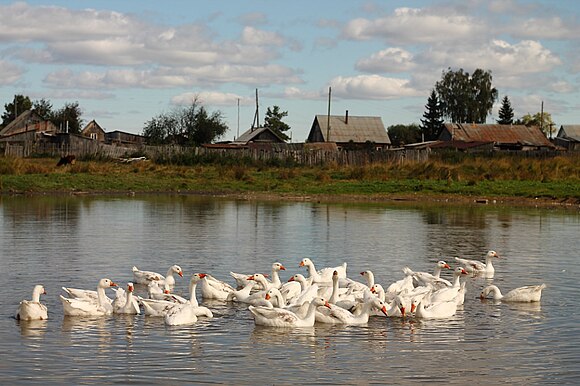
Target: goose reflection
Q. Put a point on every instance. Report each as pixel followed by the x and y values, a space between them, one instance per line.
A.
pixel 32 328
pixel 283 336
pixel 88 329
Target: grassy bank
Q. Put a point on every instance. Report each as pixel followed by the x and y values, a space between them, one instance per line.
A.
pixel 498 177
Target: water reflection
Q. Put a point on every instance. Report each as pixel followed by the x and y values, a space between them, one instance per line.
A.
pixel 32 328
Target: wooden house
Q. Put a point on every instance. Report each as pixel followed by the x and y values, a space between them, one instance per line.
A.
pixel 122 138
pixel 502 137
pixel 356 132
pixel 94 131
pixel 28 122
pixel 258 135
pixel 568 137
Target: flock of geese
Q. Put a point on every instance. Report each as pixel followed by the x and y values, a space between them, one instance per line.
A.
pixel 322 296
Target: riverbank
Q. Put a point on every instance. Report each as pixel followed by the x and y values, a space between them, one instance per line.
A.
pixel 529 182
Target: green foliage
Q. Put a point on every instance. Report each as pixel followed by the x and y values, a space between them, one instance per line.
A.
pixel 432 124
pixel 543 121
pixel 13 109
pixel 465 98
pixel 404 134
pixel 506 113
pixel 43 108
pixel 274 122
pixel 187 125
pixel 69 114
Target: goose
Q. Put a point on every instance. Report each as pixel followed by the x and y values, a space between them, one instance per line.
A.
pixel 212 288
pixel 155 307
pixel 448 293
pixel 87 307
pixel 339 315
pixel 441 310
pixel 477 267
pixel 144 277
pixel 427 279
pixel 399 286
pixel 33 309
pixel 307 293
pixel 277 317
pixel 325 274
pixel 127 304
pixel 357 286
pixel 242 279
pixel 187 313
pixel 155 291
pixel 274 298
pixel 530 293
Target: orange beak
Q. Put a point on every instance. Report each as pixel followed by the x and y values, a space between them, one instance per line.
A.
pixel 384 310
pixel 268 296
pixel 251 277
pixel 180 273
pixel 113 284
pixel 447 266
pixel 282 268
pixel 463 272
pixel 326 304
pixel 130 288
pixel 301 264
pixel 166 291
pixel 403 310
pixel 202 275
pixel 291 279
pixel 362 273
pixel 413 307
pixel 373 290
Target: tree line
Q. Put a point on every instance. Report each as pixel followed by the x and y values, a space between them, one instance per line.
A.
pixel 458 96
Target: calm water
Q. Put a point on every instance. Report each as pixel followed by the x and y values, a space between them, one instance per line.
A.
pixel 68 241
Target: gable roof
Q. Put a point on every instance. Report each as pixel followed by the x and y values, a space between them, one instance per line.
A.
pixel 92 125
pixel 358 129
pixel 253 135
pixel 25 121
pixel 499 134
pixel 571 132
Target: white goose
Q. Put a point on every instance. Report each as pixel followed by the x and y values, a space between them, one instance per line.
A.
pixel 427 279
pixel 87 307
pixel 308 292
pixel 477 267
pixel 324 275
pixel 242 279
pixel 144 277
pixel 127 304
pixel 441 310
pixel 530 293
pixel 277 317
pixel 448 293
pixel 187 313
pixel 338 315
pixel 212 288
pixel 33 309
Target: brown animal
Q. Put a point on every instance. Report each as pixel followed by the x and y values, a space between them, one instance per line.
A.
pixel 69 159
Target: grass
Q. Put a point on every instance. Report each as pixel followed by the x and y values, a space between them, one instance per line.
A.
pixel 500 176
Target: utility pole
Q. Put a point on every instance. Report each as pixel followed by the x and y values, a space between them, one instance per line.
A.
pixel 238 135
pixel 328 117
pixel 256 115
pixel 542 118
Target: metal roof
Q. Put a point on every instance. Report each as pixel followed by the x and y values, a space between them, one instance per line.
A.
pixel 352 128
pixel 251 134
pixel 501 134
pixel 570 132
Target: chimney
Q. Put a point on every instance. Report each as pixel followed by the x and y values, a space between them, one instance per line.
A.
pixel 346 118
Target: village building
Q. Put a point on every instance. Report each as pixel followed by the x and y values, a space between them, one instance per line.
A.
pixel 568 137
pixel 258 135
pixel 493 136
pixel 94 131
pixel 26 127
pixel 350 132
pixel 123 138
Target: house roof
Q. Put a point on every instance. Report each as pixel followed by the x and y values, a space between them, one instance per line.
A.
pixel 500 134
pixel 27 117
pixel 570 132
pixel 358 129
pixel 251 135
pixel 92 125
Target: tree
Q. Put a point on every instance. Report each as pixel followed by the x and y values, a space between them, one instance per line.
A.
pixel 69 116
pixel 404 134
pixel 273 121
pixel 19 104
pixel 506 113
pixel 188 125
pixel 543 121
pixel 465 98
pixel 433 123
pixel 43 108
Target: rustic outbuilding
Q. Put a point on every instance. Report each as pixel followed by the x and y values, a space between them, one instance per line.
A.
pixel 503 137
pixel 94 131
pixel 350 131
pixel 258 135
pixel 568 137
pixel 28 122
pixel 123 138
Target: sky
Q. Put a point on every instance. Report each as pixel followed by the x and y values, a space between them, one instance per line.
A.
pixel 126 62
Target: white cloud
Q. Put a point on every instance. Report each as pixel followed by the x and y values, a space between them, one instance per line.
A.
pixel 387 60
pixel 371 87
pixel 411 25
pixel 254 36
pixel 11 73
pixel 552 27
pixel 208 98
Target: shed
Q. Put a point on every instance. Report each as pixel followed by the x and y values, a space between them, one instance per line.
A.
pixel 29 120
pixel 568 137
pixel 347 131
pixel 94 131
pixel 123 138
pixel 504 137
pixel 258 135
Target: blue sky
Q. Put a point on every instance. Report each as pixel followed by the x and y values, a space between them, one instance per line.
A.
pixel 128 61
